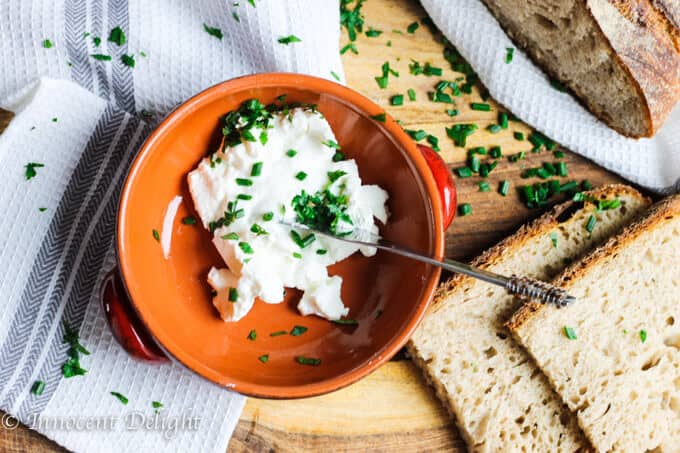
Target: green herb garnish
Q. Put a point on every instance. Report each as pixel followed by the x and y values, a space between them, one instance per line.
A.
pixel 38 388
pixel 553 239
pixel 155 234
pixel 189 220
pixel 128 60
pixel 117 36
pixel 233 295
pixel 244 182
pixel 264 358
pixel 252 335
pixel 300 241
pixel 643 336
pixel 335 76
pixel 296 331
pixel 245 247
pixel 101 57
pixel 156 404
pixel 480 107
pixel 300 176
pixel 230 237
pixel 331 144
pixel 278 333
pixel 346 322
pixel 411 94
pixel 494 128
pixel 380 117
pixel 518 136
pixel 321 252
pixel 460 132
pixel 258 230
pixel 213 31
pixel 509 53
pixel 570 333
pixel 291 153
pixel 307 361
pixel 464 172
pixel 289 39
pixel 464 209
pixel 397 99
pixel 504 187
pixel 30 167
pixel 590 226
pixel 267 216
pixel 47 44
pixel 335 175
pixel 484 186
pixel 412 27
pixel 122 398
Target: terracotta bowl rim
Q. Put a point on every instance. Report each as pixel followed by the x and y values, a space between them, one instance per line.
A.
pixel 362 104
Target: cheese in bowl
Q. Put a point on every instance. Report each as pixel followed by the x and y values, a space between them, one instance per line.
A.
pixel 281 162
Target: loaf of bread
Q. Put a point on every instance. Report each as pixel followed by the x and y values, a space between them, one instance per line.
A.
pixel 614 354
pixel 499 398
pixel 621 58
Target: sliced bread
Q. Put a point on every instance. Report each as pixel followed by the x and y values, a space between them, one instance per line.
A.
pixel 499 398
pixel 614 354
pixel 619 57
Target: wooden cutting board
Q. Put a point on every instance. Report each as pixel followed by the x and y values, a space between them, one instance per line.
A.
pixel 393 409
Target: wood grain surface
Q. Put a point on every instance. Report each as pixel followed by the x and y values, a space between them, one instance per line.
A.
pixel 392 409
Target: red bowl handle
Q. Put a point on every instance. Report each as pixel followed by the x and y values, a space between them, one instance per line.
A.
pixel 444 180
pixel 125 325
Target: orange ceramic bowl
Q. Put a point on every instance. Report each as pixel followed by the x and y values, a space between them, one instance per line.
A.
pixel 386 294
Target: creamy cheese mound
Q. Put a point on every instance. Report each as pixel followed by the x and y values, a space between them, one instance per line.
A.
pixel 243 191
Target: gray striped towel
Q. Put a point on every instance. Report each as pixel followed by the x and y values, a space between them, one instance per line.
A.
pixel 83 118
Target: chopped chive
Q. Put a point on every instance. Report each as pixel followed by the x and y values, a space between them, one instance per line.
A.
pixel 257 169
pixel 233 294
pixel 464 172
pixel 230 237
pixel 643 336
pixel 518 136
pixel 156 404
pixel 307 361
pixel 117 36
pixel 494 128
pixel 411 94
pixel 380 117
pixel 243 196
pixel 297 255
pixel 586 185
pixel 346 322
pixel 338 156
pixel 331 144
pixel 302 242
pixel 590 226
pixel 416 135
pixel 246 248
pixel 101 57
pixel 570 333
pixel 321 252
pixel 412 27
pixel 503 120
pixel 397 99
pixel 252 335
pixel 553 239
pixel 291 153
pixel 480 107
pixel 464 209
pixel 278 333
pixel 474 164
pixel 558 154
pixel 296 331
pixel 156 235
pixel 509 52
pixel 301 175
pixel 559 86
pixel 42 209
pixel 373 33
pixel 452 112
pixel 244 182
pixel 434 141
pixel 38 388
pixel 213 31
pixel 504 187
pixel 30 167
pixel 122 398
pixel 47 44
pixel 495 152
pixel 351 47
pixel 484 186
pixel 189 220
pixel 569 186
pixel 267 216
pixel 562 169
pixel 258 230
pixel 288 39
pixel 460 132
pixel 335 76
pixel 264 358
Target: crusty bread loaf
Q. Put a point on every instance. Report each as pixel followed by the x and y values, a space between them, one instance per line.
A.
pixel 618 56
pixel 499 398
pixel 620 371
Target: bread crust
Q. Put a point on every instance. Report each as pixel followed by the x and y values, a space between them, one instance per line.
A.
pixel 663 211
pixel 524 234
pixel 650 60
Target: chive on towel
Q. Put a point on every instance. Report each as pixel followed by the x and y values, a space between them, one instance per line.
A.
pixel 525 90
pixel 83 119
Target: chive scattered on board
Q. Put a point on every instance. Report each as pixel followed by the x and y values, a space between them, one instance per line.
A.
pixel 397 99
pixel 569 332
pixel 504 187
pixel 480 107
pixel 464 209
pixel 411 94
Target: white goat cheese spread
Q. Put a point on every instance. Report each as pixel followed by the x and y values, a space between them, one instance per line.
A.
pixel 288 170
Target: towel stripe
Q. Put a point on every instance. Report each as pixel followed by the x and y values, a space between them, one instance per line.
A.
pixel 76 44
pixel 122 83
pixel 69 249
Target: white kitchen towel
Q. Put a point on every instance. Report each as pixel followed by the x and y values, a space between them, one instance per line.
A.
pixel 57 229
pixel 525 90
